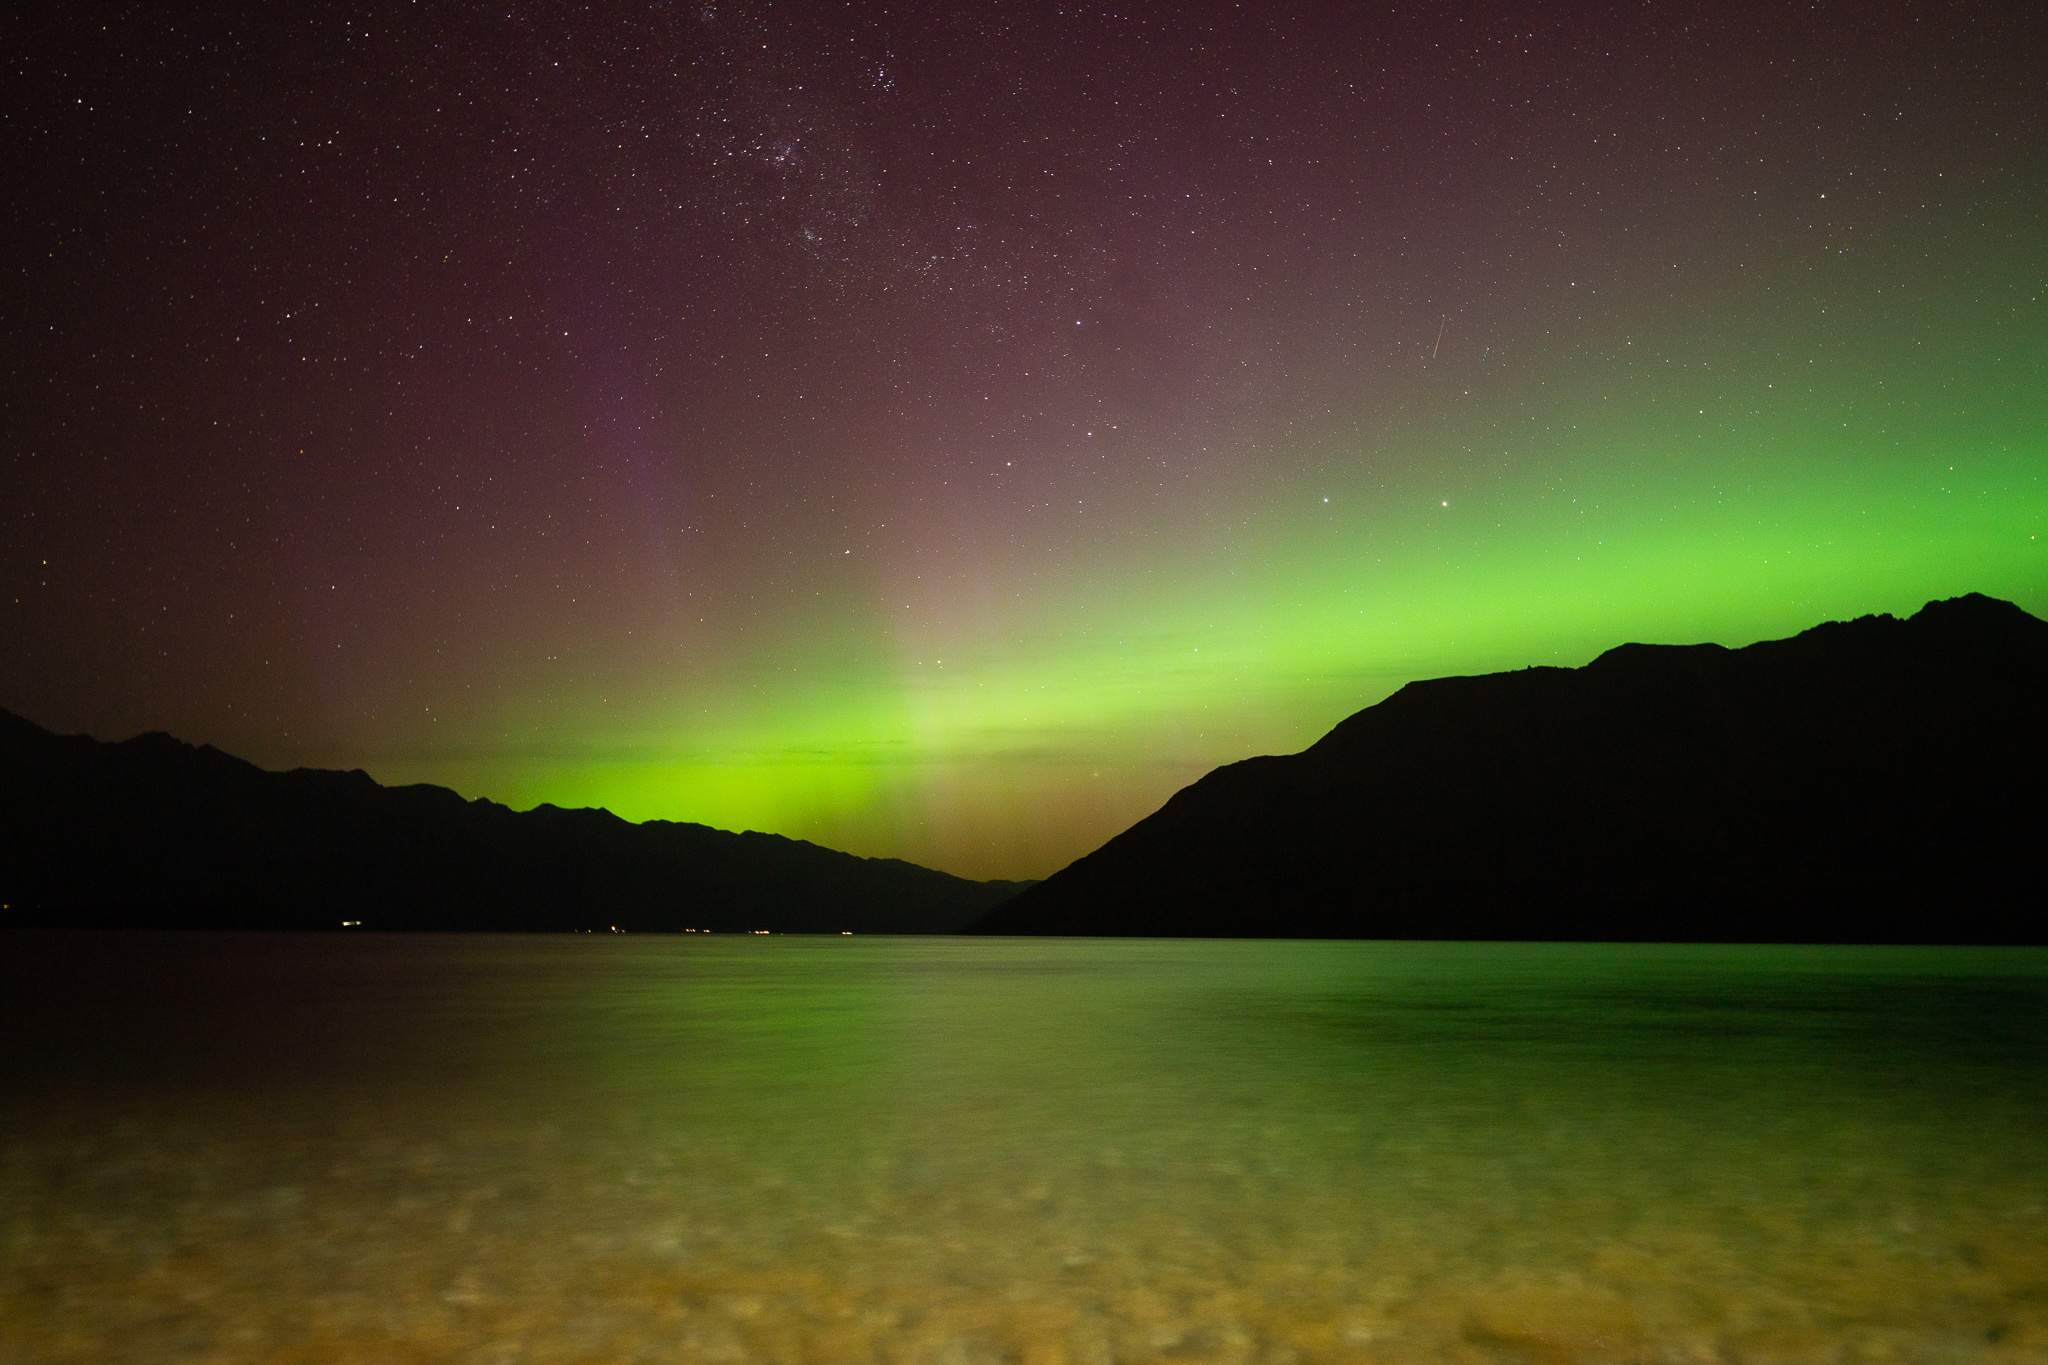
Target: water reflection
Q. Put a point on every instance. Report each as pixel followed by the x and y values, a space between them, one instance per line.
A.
pixel 519 1149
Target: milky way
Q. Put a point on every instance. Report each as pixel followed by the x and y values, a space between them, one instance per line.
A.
pixel 942 432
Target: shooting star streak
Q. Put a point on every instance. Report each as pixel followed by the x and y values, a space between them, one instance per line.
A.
pixel 1439 336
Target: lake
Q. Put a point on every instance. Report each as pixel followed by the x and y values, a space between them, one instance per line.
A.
pixel 340 1148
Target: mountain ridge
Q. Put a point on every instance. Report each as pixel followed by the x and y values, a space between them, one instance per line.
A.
pixel 154 832
pixel 1868 780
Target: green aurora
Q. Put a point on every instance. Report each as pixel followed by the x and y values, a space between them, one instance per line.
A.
pixel 944 432
pixel 1867 467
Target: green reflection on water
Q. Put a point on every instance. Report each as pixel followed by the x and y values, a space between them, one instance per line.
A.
pixel 734 1148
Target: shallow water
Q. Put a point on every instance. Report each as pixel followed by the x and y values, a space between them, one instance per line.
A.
pixel 339 1149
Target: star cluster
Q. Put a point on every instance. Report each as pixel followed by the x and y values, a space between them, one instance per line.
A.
pixel 942 431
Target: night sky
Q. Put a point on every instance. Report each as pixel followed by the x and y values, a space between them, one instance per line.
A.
pixel 944 431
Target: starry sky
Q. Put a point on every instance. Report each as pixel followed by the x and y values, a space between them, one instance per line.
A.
pixel 943 431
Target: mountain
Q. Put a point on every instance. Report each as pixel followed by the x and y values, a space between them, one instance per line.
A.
pixel 1875 780
pixel 155 833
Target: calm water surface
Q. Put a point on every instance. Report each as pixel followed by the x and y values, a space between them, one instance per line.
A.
pixel 396 1149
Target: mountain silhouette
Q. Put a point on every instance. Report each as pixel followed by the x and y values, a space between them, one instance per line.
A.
pixel 1875 780
pixel 155 833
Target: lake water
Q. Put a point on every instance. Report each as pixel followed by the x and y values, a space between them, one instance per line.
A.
pixel 724 1149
